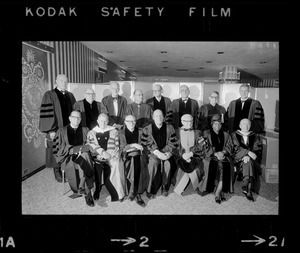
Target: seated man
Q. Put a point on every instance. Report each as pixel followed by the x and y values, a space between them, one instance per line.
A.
pixel 218 167
pixel 161 144
pixel 134 159
pixel 104 141
pixel 247 154
pixel 74 158
pixel 190 166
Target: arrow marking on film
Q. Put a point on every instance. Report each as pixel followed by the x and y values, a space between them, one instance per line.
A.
pixel 127 241
pixel 258 241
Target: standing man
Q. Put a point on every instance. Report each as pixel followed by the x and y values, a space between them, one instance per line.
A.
pixel 158 101
pixel 181 106
pixel 141 111
pixel 161 144
pixel 115 106
pixel 57 105
pixel 89 108
pixel 210 109
pixel 245 107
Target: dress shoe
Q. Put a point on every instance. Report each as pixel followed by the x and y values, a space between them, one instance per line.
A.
pixel 140 201
pixel 249 196
pixel 132 196
pixel 201 193
pixel 89 200
pixel 96 195
pixel 81 191
pixel 165 193
pixel 218 199
pixel 58 174
pixel 149 195
pixel 122 199
pixel 222 196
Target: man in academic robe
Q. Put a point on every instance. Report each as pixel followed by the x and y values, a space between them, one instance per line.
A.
pixel 158 101
pixel 104 141
pixel 190 166
pixel 161 143
pixel 247 156
pixel 74 158
pixel 141 111
pixel 134 159
pixel 181 106
pixel 218 166
pixel 210 109
pixel 89 108
pixel 56 106
pixel 245 107
pixel 115 106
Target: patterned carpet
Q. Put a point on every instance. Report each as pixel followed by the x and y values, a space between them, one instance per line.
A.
pixel 41 194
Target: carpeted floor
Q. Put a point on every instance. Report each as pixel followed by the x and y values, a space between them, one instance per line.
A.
pixel 41 194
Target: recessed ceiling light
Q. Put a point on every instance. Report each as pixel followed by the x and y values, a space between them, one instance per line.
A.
pixel 164 61
pixel 122 61
pixel 109 52
pixel 262 62
pixel 220 52
pixel 163 52
pixel 208 61
pixel 181 69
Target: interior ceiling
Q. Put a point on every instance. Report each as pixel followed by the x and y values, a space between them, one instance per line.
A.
pixel 190 59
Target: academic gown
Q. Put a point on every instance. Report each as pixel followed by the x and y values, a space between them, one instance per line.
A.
pixel 215 170
pixel 252 110
pixel 191 171
pixel 160 172
pixel 176 111
pixel 241 149
pixel 134 162
pixel 163 105
pixel 73 163
pixel 51 119
pixel 96 109
pixel 109 172
pixel 206 112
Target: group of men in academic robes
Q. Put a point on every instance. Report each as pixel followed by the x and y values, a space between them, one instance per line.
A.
pixel 143 147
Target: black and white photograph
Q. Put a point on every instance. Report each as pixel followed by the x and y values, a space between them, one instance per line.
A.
pixel 147 126
pixel 194 91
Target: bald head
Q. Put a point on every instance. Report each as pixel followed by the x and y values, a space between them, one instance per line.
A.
pixel 184 91
pixel 245 125
pixel 62 82
pixel 158 117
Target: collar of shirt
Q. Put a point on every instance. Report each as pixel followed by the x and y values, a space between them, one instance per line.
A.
pixel 115 98
pixel 158 99
pixel 185 100
pixel 243 100
pixel 61 91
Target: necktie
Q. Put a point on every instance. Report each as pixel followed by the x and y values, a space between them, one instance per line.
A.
pixel 139 110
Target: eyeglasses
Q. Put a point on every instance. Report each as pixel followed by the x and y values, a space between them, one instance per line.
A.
pixel 130 121
pixel 75 117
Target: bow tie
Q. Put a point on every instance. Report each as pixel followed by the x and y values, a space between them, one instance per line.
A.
pixel 115 98
pixel 184 100
pixel 184 129
pixel 243 100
